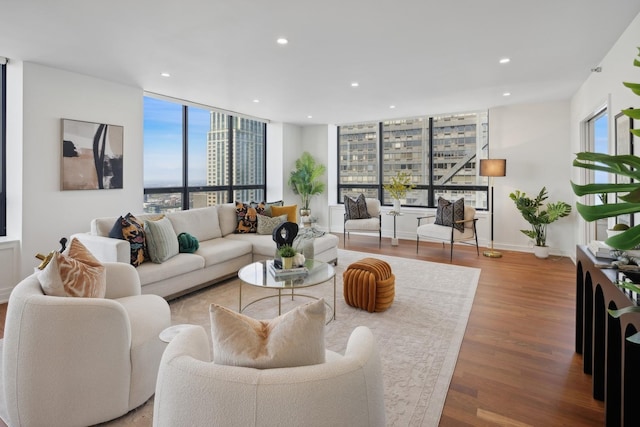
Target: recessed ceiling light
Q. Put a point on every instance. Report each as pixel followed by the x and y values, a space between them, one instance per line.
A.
pixel 505 60
pixel 165 74
pixel 309 117
pixel 355 84
pixel 392 106
pixel 282 40
pixel 506 94
pixel 256 100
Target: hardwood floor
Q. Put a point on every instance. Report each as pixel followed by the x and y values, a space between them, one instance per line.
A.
pixel 517 365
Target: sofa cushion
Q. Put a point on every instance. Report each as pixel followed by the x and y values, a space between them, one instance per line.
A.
pixel 162 242
pixel 261 244
pixel 295 338
pixel 228 218
pixel 217 251
pixel 175 266
pixel 201 223
pixel 74 273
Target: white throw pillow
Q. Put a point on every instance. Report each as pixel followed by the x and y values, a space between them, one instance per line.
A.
pixel 295 338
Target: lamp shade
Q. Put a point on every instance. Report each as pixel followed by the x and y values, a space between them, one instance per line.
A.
pixel 493 167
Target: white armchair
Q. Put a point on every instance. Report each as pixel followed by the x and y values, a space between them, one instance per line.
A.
pixel 449 233
pixel 193 391
pixel 365 225
pixel 80 361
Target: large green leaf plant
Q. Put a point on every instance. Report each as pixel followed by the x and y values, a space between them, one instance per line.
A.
pixel 304 180
pixel 626 194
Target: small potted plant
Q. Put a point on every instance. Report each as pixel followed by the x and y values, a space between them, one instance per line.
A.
pixel 398 187
pixel 287 253
pixel 539 216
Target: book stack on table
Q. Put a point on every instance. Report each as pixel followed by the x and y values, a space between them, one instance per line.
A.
pixel 600 249
pixel 280 273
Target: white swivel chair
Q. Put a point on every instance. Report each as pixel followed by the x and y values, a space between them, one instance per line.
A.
pixel 344 391
pixel 449 233
pixel 80 361
pixel 365 225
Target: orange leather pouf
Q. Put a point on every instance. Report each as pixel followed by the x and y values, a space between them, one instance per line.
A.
pixel 369 284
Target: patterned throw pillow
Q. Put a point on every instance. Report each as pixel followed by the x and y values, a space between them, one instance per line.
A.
pixel 447 213
pixel 131 229
pixel 264 208
pixel 266 224
pixel 295 338
pixel 74 273
pixel 247 214
pixel 356 208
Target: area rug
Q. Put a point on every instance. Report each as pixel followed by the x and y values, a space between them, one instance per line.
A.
pixel 418 337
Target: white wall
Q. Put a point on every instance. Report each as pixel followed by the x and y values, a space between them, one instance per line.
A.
pixel 46 96
pixel 534 140
pixel 601 88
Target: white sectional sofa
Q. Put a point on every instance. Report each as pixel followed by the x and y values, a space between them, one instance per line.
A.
pixel 220 255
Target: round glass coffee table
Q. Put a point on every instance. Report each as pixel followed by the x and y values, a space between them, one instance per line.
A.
pixel 259 275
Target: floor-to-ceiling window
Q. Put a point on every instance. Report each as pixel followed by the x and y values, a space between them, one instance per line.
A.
pixel 3 150
pixel 196 156
pixel 440 153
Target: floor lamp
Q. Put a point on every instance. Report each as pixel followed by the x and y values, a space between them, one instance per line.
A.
pixel 491 168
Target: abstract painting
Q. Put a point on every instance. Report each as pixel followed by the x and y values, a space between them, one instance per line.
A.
pixel 91 155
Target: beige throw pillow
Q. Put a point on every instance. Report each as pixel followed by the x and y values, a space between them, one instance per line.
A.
pixel 74 273
pixel 295 338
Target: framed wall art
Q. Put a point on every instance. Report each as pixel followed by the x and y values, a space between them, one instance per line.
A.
pixel 92 155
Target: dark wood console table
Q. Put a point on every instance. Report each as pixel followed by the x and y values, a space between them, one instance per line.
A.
pixel 613 361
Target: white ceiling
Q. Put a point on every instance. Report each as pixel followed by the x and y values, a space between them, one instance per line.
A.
pixel 423 56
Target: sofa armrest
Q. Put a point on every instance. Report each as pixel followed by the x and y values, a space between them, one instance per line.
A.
pixel 122 280
pixel 106 249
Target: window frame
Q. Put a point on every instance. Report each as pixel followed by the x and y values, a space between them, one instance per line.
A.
pixel 431 188
pixel 229 188
pixel 3 148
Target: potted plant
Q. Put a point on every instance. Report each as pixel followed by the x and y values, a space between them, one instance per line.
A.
pixel 304 180
pixel 287 253
pixel 539 215
pixel 398 187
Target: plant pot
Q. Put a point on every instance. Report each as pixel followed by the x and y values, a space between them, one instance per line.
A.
pixel 287 262
pixel 541 251
pixel 305 212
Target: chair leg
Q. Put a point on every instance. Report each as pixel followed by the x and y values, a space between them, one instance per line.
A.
pixel 417 242
pixel 379 239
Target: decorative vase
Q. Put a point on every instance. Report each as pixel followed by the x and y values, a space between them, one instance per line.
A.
pixel 396 205
pixel 541 251
pixel 287 262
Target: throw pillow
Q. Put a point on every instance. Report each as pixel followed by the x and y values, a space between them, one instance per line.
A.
pixel 290 210
pixel 448 213
pixel 162 242
pixel 295 338
pixel 356 208
pixel 266 207
pixel 247 218
pixel 74 273
pixel 131 229
pixel 187 243
pixel 267 224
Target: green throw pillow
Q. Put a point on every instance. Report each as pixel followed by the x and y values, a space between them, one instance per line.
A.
pixel 187 243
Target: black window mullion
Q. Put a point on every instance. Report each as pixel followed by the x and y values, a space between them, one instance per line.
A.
pixel 431 193
pixel 3 151
pixel 185 158
pixel 231 168
pixel 380 164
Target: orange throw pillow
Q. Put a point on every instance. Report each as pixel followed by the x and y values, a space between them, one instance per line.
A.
pixel 75 273
pixel 291 211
